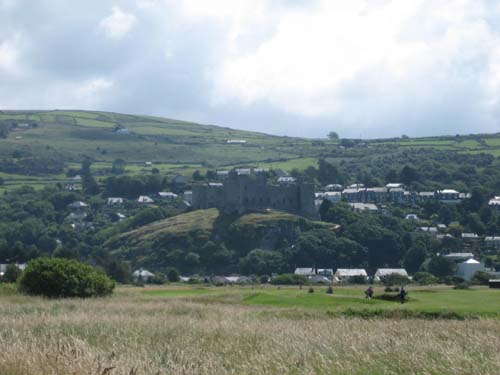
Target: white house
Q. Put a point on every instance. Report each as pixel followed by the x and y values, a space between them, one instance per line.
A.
pixel 381 272
pixel 492 242
pixel 412 217
pixel 167 195
pixel 78 205
pixel 236 141
pixel 142 274
pixel 286 180
pixel 115 201
pixel 305 271
pixel 144 199
pixel 344 274
pixel 459 256
pixel 468 268
pixel 394 185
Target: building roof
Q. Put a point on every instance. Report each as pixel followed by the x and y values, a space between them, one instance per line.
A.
pixel 215 184
pixel 78 204
pixel 364 206
pixel 286 179
pixel 459 255
pixel 142 272
pixel 394 185
pixel 426 193
pixel 448 191
pixel 115 200
pixel 167 194
pixel 305 271
pixel 348 272
pixel 492 238
pixel 144 199
pixel 471 261
pixel 469 235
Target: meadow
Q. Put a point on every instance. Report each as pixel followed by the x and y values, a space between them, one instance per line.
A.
pixel 228 330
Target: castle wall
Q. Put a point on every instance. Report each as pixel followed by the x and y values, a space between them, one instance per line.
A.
pixel 241 193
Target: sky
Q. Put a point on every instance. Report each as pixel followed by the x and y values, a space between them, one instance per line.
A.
pixel 361 68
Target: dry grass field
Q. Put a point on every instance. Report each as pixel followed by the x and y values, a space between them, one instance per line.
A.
pixel 135 333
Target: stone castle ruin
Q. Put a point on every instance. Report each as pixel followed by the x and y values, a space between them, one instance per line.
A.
pixel 251 190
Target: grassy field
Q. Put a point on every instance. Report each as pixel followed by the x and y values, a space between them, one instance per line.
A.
pixel 179 330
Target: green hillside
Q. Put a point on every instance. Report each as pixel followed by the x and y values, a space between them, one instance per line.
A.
pixel 38 148
pixel 215 238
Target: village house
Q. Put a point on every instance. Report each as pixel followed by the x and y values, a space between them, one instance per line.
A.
pixel 115 201
pixel 467 269
pixel 448 196
pixel 167 195
pixel 492 242
pixel 332 196
pixel 142 275
pixel 459 256
pixel 334 187
pixel 144 199
pixel 305 271
pixel 345 274
pixel 428 230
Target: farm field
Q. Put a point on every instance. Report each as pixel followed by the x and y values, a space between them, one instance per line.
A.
pixel 228 330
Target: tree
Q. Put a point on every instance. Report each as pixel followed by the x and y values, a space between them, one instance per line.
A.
pixel 261 262
pixel 173 275
pixel 414 258
pixel 408 175
pixel 118 166
pixel 58 277
pixel 441 266
pixel 333 136
pixel 197 176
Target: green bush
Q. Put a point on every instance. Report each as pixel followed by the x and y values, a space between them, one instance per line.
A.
pixel 358 279
pixel 289 279
pixel 329 290
pixel 173 275
pixel 59 277
pixel 482 278
pixel 394 279
pixel 425 278
pixel 311 290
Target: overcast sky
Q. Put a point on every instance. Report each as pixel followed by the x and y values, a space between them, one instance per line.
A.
pixel 369 68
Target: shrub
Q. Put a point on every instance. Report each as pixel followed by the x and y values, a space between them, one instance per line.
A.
pixel 173 275
pixel 388 289
pixel 311 290
pixel 264 279
pixel 482 278
pixel 394 279
pixel 358 279
pixel 158 279
pixel 59 277
pixel 425 278
pixel 289 279
pixel 12 273
pixel 329 290
pixel 463 285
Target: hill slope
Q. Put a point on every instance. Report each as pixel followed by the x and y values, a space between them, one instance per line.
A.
pixel 209 238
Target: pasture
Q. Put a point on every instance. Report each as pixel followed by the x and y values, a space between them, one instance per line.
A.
pixel 245 330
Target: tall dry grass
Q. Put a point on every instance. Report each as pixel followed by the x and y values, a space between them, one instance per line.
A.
pixel 131 334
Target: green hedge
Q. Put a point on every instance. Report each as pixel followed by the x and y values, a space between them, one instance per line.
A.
pixel 59 277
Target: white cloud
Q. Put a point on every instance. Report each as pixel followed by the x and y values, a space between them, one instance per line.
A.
pixel 10 55
pixel 118 24
pixel 343 58
pixel 5 4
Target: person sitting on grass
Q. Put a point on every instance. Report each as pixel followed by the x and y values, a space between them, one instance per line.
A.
pixel 369 292
pixel 402 294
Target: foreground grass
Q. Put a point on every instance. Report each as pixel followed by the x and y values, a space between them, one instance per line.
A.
pixel 138 333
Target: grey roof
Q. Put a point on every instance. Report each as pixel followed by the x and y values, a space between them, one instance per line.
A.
pixel 305 271
pixel 349 272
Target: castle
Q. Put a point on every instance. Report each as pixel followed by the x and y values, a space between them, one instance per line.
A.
pixel 248 190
